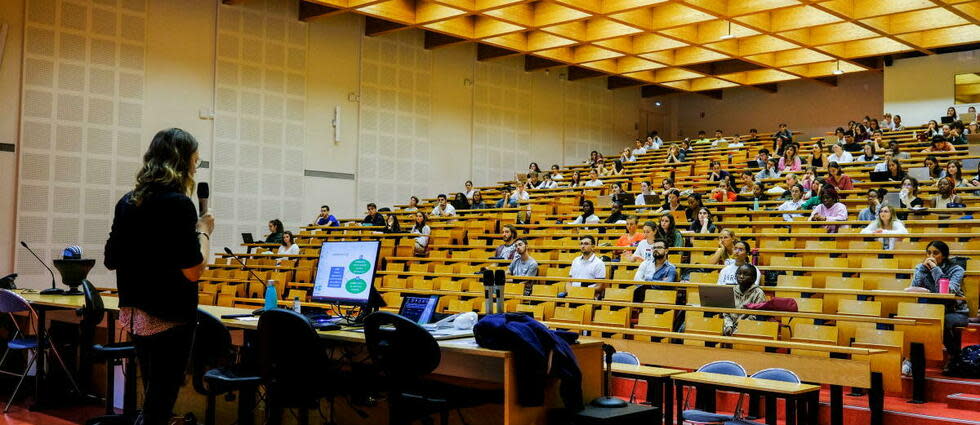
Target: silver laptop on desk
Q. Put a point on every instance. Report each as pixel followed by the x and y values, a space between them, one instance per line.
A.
pixel 720 296
pixel 920 173
pixel 603 201
pixel 974 148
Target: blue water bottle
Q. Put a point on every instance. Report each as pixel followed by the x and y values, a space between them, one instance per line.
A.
pixel 270 295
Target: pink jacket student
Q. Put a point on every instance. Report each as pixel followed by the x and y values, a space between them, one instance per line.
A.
pixel 794 165
pixel 829 209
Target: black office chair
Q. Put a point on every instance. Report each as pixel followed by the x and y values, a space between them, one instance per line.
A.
pixel 214 371
pixel 295 370
pixel 112 354
pixel 405 353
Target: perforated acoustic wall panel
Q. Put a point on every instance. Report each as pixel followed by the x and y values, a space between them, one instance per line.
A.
pixel 81 125
pixel 588 120
pixel 259 117
pixel 393 151
pixel 501 121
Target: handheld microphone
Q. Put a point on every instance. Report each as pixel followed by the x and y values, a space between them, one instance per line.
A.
pixel 488 290
pixel 499 277
pixel 203 192
pixel 258 311
pixel 53 290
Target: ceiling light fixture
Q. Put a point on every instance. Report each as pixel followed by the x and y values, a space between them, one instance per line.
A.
pixel 728 36
pixel 838 71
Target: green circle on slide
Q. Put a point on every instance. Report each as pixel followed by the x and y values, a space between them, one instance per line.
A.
pixel 356 285
pixel 359 266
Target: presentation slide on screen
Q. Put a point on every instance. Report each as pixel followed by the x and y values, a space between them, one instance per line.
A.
pixel 345 271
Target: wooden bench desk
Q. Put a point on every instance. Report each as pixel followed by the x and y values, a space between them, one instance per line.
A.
pixel 802 399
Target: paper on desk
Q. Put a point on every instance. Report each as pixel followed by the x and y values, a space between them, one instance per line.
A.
pixel 248 319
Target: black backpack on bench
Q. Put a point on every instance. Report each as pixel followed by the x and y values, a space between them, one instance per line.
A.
pixel 967 365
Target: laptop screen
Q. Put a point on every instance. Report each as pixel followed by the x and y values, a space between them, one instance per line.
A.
pixel 418 308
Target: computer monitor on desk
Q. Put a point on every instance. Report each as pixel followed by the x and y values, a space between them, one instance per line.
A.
pixel 418 308
pixel 345 272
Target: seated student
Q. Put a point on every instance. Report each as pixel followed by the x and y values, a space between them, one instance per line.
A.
pixel 897 123
pixel 932 129
pixel 723 193
pixel 422 229
pixel 908 196
pixel 886 122
pixel 954 170
pixel 795 203
pixel 507 250
pixel 946 193
pixel 703 224
pixel 626 156
pixel 830 209
pixel 325 218
pixel 460 202
pixel 288 245
pixel 593 158
pixel 816 158
pixel 868 154
pixel 513 196
pixel 790 160
pixel 809 178
pixel 813 199
pixel 932 164
pixel 757 196
pixel 753 135
pixel 638 148
pixel 644 248
pixel 740 256
pixel 763 156
pixel 667 230
pixel 588 214
pixel 654 141
pixel 736 141
pixel 719 137
pixel 875 197
pixel 726 248
pixel 616 214
pixel 717 174
pixel 533 168
pixel 587 266
pixel 556 172
pixel 840 156
pixel 617 194
pixel 593 179
pixel 470 191
pixel 939 144
pixel 770 172
pixel 886 222
pixel 747 292
pixel 702 138
pixel 275 231
pixel 547 183
pixel 673 202
pixel 576 180
pixel 694 204
pixel 646 193
pixel 413 204
pixel 837 178
pixel 532 182
pixel 657 268
pixel 895 171
pixel 373 217
pixel 745 182
pixel 783 190
pixel 957 134
pixel 930 276
pixel 523 265
pixel 443 208
pixel 686 149
pixel 477 202
pixel 781 139
pixel 674 155
pixel 391 224
pixel 632 236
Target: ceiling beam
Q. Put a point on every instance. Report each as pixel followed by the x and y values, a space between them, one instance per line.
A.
pixel 616 82
pixel 770 87
pixel 434 40
pixel 310 11
pixel 375 26
pixel 579 73
pixel 486 52
pixel 654 91
pixel 714 94
pixel 830 80
pixel 535 63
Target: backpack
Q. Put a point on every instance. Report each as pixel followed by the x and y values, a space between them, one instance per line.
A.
pixel 967 365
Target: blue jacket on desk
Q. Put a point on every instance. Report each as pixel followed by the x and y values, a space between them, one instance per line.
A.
pixel 533 344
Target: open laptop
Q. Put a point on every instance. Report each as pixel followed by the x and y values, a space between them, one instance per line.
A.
pixel 974 148
pixel 970 164
pixel 893 199
pixel 968 117
pixel 920 173
pixel 721 296
pixel 947 119
pixel 878 176
pixel 247 238
pixel 603 201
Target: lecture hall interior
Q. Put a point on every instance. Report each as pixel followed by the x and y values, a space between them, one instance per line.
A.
pixel 521 212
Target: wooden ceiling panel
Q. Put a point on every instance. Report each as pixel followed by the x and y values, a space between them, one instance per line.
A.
pixel 688 45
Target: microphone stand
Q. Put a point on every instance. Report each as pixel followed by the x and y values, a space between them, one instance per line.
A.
pixel 488 291
pixel 498 289
pixel 608 401
pixel 258 311
pixel 53 290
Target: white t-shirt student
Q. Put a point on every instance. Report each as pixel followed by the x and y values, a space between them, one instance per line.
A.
pixel 644 250
pixel 591 268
